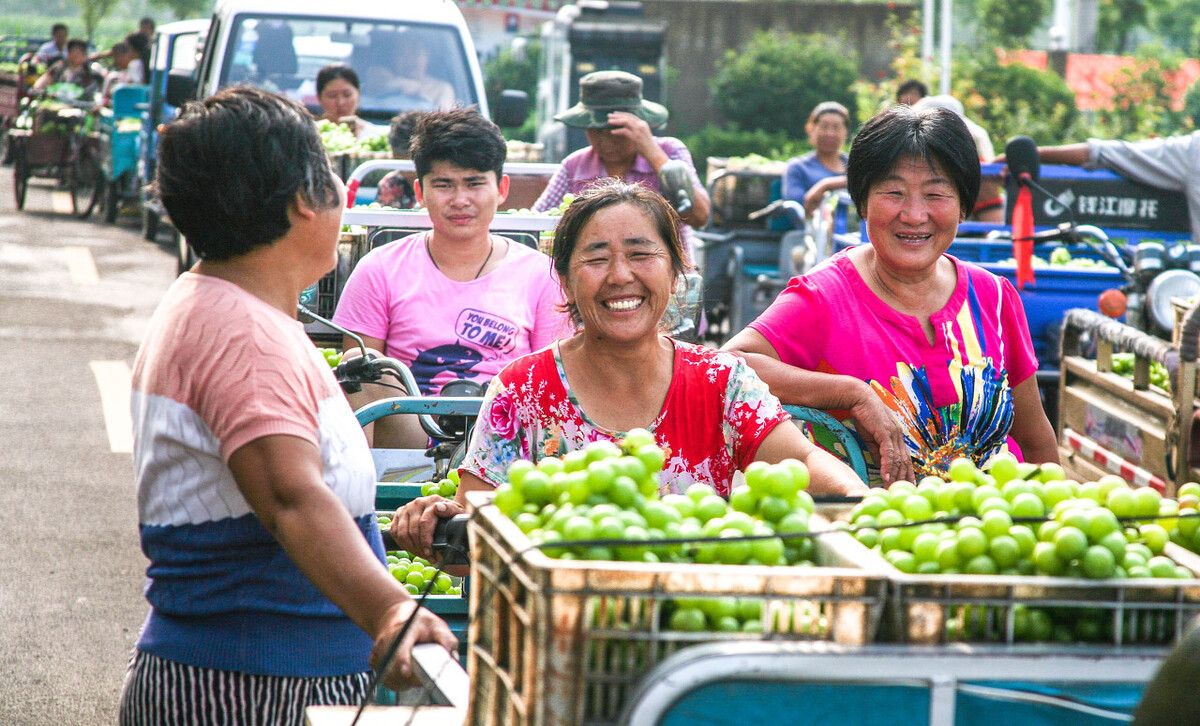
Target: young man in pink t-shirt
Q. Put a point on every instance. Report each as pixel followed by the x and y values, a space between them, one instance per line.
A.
pixel 456 302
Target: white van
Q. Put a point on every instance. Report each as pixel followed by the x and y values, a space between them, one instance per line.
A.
pixel 279 45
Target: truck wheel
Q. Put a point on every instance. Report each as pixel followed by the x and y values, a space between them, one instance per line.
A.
pixel 149 224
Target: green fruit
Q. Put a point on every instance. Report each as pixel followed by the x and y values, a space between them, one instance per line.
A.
pixel 1028 505
pixel 996 522
pixel 1098 562
pixel 508 500
pixel 699 491
pixel 1004 550
pixel 1155 536
pixel 688 620
pixel 1046 559
pixel 981 565
pixel 972 543
pixel 743 500
pixel 1146 501
pixel 917 509
pixel 901 560
pixel 683 504
pixel 1069 543
pixel 1160 566
pixel 652 457
pixel 867 537
pixel 947 555
pixel 767 551
pixel 1003 467
pixel 779 481
pixel 793 523
pixel 710 507
pixel 924 547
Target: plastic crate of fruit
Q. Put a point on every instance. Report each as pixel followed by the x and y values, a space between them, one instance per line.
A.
pixel 1026 556
pixel 557 641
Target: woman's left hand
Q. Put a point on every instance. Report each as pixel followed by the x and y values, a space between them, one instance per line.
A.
pixel 426 628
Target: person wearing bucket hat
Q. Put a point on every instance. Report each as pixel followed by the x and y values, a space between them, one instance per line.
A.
pixel 621 143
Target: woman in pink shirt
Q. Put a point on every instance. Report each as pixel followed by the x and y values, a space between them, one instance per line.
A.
pixel 928 357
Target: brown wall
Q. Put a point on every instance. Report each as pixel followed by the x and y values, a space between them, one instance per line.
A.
pixel 700 31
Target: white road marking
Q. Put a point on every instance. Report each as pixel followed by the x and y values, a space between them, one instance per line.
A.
pixel 114 379
pixel 60 201
pixel 81 265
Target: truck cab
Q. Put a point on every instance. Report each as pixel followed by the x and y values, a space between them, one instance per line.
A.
pixel 410 55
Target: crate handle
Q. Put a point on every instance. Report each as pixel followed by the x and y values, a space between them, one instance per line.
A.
pixel 1078 320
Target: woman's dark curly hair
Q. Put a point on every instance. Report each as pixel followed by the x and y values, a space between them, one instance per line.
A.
pixel 231 166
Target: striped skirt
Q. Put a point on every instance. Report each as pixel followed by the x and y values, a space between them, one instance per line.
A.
pixel 164 693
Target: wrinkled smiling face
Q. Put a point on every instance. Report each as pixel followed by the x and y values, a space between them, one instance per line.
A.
pixel 828 133
pixel 912 215
pixel 620 277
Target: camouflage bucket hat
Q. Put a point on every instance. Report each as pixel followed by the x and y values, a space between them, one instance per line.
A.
pixel 603 92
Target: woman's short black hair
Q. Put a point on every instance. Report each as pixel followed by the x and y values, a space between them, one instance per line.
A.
pixel 231 166
pixel 332 72
pixel 461 136
pixel 932 134
pixel 79 43
pixel 607 193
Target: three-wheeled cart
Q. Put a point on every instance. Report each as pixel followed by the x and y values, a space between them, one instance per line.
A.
pixel 60 146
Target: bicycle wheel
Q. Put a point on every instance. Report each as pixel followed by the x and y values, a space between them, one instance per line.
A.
pixel 86 183
pixel 20 178
pixel 112 198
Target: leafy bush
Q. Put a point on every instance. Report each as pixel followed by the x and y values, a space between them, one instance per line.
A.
pixel 1142 104
pixel 775 81
pixel 1014 100
pixel 1191 103
pixel 717 141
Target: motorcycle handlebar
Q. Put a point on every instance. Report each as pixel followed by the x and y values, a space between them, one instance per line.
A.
pixel 1078 234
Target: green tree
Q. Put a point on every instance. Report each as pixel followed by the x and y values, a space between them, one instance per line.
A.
pixel 91 12
pixel 778 78
pixel 186 8
pixel 1009 24
pixel 1117 19
pixel 1177 22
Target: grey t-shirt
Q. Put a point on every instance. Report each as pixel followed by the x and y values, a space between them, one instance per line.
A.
pixel 1171 163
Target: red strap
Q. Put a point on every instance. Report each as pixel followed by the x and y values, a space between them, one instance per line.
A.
pixel 1022 230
